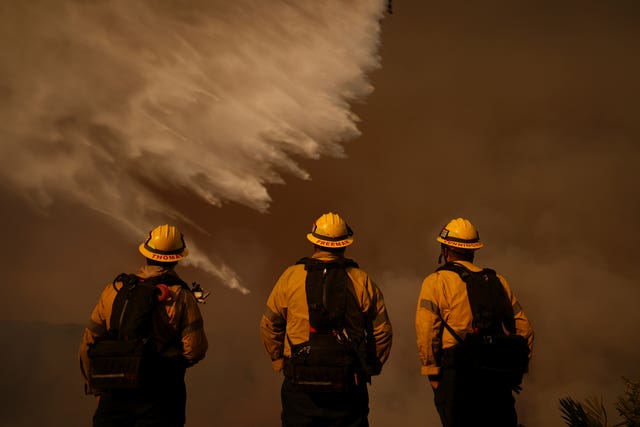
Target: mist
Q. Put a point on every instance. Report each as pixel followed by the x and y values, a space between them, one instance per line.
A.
pixel 112 105
pixel 242 124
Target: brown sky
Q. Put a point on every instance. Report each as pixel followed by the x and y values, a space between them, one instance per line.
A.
pixel 521 117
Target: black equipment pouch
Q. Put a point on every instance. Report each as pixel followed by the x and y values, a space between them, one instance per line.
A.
pixel 328 367
pixel 501 359
pixel 505 357
pixel 119 364
pixel 328 361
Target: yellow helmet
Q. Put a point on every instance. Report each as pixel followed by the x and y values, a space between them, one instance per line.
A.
pixel 330 231
pixel 460 233
pixel 165 244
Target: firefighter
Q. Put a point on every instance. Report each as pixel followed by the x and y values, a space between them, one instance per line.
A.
pixel 326 328
pixel 177 331
pixel 464 395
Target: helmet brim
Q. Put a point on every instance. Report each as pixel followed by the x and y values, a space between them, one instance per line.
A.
pixel 162 257
pixel 329 243
pixel 461 245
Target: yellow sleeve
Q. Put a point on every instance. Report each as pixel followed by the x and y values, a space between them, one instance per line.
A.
pixel 194 339
pixel 382 330
pixel 429 326
pixel 274 321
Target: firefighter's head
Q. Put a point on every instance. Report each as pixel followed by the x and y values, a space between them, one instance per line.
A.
pixel 459 239
pixel 331 232
pixel 165 246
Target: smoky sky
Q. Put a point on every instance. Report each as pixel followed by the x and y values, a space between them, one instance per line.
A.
pixel 111 104
pixel 243 123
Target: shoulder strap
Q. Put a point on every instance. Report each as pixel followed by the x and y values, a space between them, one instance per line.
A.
pixel 125 279
pixel 460 269
pixel 462 272
pixel 450 329
pixel 128 281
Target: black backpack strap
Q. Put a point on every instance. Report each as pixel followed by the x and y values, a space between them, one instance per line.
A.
pixel 120 301
pixel 451 330
pixel 123 278
pixel 460 269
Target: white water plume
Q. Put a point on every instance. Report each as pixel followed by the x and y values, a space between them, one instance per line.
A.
pixel 109 103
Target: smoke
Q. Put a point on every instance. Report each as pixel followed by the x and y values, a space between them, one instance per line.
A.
pixel 115 105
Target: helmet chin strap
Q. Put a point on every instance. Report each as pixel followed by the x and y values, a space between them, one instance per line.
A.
pixel 442 255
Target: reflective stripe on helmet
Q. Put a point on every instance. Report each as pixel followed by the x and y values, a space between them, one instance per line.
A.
pixel 460 240
pixel 161 252
pixel 331 239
